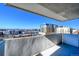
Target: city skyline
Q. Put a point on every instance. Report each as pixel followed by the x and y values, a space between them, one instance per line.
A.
pixel 14 18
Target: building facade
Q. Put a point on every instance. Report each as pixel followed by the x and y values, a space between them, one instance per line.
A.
pixel 63 30
pixel 47 28
pixel 75 31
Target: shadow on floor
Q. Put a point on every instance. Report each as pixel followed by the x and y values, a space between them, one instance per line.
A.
pixel 66 50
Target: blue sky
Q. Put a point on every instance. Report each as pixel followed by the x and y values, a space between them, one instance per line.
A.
pixel 14 18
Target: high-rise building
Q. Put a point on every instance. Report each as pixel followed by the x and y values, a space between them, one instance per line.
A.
pixel 48 28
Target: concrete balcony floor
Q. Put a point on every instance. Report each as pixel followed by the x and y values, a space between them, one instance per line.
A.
pixel 65 50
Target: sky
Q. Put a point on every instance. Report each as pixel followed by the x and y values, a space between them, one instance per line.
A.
pixel 13 18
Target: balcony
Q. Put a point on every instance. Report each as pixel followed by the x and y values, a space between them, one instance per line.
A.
pixel 43 45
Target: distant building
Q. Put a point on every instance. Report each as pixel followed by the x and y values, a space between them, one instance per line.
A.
pixel 63 30
pixel 47 28
pixel 75 31
pixel 12 32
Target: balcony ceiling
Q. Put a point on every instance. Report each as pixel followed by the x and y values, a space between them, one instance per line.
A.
pixel 59 11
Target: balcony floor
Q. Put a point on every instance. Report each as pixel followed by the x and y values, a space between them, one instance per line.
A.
pixel 66 50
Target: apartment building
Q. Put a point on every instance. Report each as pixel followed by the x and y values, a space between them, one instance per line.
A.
pixel 63 30
pixel 48 28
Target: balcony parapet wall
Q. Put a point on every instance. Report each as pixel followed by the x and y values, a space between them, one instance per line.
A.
pixel 31 45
